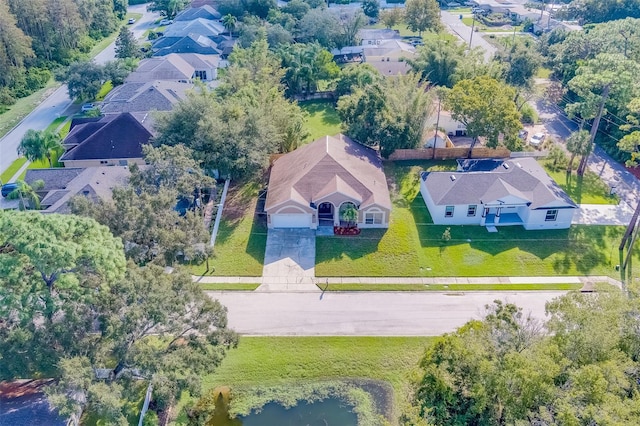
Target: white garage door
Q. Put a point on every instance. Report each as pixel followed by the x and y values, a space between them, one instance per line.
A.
pixel 299 220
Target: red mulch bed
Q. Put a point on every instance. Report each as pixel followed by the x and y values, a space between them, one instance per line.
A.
pixel 343 230
pixel 634 171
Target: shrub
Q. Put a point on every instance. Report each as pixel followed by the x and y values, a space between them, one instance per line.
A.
pixel 7 97
pixel 529 115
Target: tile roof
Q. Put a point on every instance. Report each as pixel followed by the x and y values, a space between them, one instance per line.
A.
pixel 486 181
pixel 112 136
pixel 329 164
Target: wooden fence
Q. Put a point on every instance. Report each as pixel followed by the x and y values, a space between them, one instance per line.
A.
pixel 448 153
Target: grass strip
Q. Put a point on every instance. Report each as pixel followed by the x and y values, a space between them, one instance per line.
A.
pixel 55 124
pixel 12 169
pixel 230 287
pixel 449 287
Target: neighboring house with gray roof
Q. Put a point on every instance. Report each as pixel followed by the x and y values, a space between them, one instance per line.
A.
pixel 169 67
pixel 191 43
pixel 61 184
pixel 205 12
pixel 113 139
pixel 313 185
pixel 145 97
pixel 494 193
pixel 372 37
pixel 205 27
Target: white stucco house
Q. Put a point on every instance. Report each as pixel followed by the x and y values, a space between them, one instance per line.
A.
pixel 495 193
pixel 313 185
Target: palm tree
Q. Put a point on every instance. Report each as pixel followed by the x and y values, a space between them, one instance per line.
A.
pixel 229 21
pixel 39 144
pixel 27 195
pixel 349 214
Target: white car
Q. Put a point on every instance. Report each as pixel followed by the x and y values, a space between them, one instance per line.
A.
pixel 131 21
pixel 537 139
pixel 166 22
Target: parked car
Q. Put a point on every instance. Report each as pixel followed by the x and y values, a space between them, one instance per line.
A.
pixel 537 139
pixel 8 188
pixel 131 21
pixel 166 22
pixel 522 134
pixel 87 107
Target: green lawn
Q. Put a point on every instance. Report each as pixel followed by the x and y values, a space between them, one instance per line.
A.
pixel 55 124
pixel 42 164
pixel 413 245
pixel 24 106
pixel 64 131
pixel 322 120
pixel 589 189
pixel 12 169
pixel 240 243
pixel 263 361
pixel 448 287
pixel 104 90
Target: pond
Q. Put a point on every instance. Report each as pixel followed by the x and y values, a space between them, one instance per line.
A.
pixel 330 412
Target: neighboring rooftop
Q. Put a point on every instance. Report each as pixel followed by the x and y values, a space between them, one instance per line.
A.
pixel 205 12
pixel 488 180
pixel 110 136
pixel 170 67
pixel 143 97
pixel 93 182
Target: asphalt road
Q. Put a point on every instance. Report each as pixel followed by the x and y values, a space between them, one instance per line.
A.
pixel 56 104
pixel 454 25
pixel 365 313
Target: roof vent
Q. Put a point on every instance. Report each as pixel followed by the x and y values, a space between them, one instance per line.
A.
pixel 505 165
pixel 453 178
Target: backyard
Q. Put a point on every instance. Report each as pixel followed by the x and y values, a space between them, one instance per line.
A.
pixel 322 119
pixel 260 362
pixel 414 246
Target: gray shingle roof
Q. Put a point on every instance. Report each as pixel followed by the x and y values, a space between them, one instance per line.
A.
pixel 486 181
pixel 191 43
pixel 205 12
pixel 141 97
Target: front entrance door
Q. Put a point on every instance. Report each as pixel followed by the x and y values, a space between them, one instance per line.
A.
pixel 325 214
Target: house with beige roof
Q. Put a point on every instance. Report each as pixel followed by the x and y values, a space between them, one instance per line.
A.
pixel 313 185
pixel 388 57
pixel 181 68
pixel 144 97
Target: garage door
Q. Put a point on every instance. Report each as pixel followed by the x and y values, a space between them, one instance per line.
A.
pixel 300 220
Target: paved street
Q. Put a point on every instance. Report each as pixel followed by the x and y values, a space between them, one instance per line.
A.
pixel 365 314
pixel 56 104
pixel 454 25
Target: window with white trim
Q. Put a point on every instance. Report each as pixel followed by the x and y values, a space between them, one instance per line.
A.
pixel 373 218
pixel 551 215
pixel 448 211
pixel 471 210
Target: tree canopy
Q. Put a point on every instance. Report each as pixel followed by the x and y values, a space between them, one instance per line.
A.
pixel 388 114
pixel 578 368
pixel 40 144
pixel 487 108
pixel 422 15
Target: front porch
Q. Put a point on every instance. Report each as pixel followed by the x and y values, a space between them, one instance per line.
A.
pixel 505 219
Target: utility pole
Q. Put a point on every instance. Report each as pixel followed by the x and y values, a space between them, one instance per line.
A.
pixel 473 23
pixel 435 138
pixel 594 128
pixel 626 39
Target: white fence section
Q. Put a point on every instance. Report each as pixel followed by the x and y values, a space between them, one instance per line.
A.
pixel 145 406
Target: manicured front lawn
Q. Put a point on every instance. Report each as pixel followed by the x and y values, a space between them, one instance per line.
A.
pixel 104 90
pixel 263 361
pixel 12 169
pixel 56 123
pixel 413 245
pixel 588 189
pixel 241 240
pixel 322 120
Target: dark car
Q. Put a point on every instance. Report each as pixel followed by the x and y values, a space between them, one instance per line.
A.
pixel 8 188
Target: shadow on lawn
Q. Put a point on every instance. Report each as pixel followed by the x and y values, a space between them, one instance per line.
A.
pixel 325 108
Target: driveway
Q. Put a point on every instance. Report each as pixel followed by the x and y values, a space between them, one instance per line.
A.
pixel 365 313
pixel 289 260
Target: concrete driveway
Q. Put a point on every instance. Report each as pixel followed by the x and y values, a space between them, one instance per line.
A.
pixel 366 313
pixel 289 260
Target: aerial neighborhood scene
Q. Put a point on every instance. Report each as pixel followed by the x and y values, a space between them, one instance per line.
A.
pixel 310 212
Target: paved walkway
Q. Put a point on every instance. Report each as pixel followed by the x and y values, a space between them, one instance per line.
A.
pixel 289 260
pixel 279 284
pixel 603 214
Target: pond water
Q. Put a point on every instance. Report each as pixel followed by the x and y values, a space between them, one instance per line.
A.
pixel 330 412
